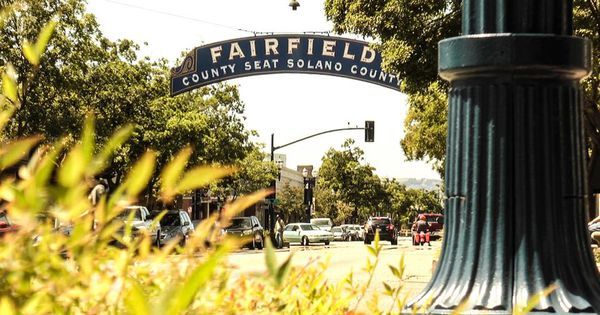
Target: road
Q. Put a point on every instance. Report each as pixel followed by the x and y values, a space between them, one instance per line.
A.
pixel 346 257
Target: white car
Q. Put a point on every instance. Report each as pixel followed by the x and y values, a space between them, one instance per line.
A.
pixel 322 223
pixel 306 233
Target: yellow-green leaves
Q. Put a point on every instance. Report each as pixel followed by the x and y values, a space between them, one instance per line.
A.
pixel 277 274
pixel 7 307
pixel 100 161
pixel 73 168
pixel 15 151
pixel 534 300
pixel 33 51
pixel 136 301
pixel 140 174
pixel 9 87
pixel 173 182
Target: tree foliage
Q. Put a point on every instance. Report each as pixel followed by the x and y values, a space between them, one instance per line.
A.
pixel 291 202
pixel 83 72
pixel 407 33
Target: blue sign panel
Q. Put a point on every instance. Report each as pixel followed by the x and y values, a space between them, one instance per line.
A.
pixel 280 54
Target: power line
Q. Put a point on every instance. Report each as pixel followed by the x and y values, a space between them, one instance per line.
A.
pixel 179 16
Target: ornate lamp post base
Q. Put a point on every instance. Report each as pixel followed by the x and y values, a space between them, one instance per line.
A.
pixel 515 173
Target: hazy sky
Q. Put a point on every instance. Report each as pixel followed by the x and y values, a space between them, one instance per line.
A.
pixel 289 105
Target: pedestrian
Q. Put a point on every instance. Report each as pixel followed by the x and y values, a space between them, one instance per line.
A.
pixel 279 225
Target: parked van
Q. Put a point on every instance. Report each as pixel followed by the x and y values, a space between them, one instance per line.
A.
pixel 322 223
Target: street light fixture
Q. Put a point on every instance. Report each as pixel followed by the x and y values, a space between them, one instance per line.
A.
pixel 309 184
pixel 294 4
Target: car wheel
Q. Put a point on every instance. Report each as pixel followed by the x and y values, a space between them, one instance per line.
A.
pixel 394 240
pixel 183 241
pixel 260 244
pixel 305 241
pixel 157 242
pixel 326 242
pixel 367 241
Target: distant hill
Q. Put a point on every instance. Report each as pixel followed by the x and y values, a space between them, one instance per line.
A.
pixel 421 183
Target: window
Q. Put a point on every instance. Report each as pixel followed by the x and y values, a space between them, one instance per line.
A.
pixel 289 228
pixel 240 223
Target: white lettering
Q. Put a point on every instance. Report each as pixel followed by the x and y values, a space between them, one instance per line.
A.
pixel 382 76
pixel 214 72
pixel 256 65
pixel 319 65
pixel 348 55
pixel 367 51
pixel 328 65
pixel 215 53
pixel 185 81
pixel 232 68
pixel 292 44
pixel 266 65
pixel 275 61
pixel 338 67
pixel 363 73
pixel 309 65
pixel 247 66
pixel 300 63
pixel 290 63
pixel 236 51
pixel 271 45
pixel 328 48
pixel 354 69
pixel 196 78
pixel 310 46
pixel 372 73
pixel 204 75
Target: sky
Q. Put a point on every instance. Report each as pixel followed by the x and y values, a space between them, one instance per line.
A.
pixel 291 106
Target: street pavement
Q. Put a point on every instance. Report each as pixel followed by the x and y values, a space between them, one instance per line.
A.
pixel 346 257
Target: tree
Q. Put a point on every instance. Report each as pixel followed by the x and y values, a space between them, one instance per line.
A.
pixel 352 182
pixel 291 202
pixel 407 33
pixel 83 72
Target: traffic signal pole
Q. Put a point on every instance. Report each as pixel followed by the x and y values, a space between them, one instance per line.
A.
pixel 515 165
pixel 270 217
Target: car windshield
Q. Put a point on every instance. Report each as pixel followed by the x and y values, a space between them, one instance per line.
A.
pixel 380 221
pixel 320 222
pixel 308 227
pixel 125 214
pixel 170 219
pixel 432 219
pixel 240 223
pixel 336 229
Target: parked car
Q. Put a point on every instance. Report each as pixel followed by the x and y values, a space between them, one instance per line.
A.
pixel 306 233
pixel 247 227
pixel 436 224
pixel 140 220
pixel 353 231
pixel 323 223
pixel 383 225
pixel 176 224
pixel 6 226
pixel 339 234
pixel 360 232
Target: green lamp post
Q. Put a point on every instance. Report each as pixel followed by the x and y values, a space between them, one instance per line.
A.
pixel 515 172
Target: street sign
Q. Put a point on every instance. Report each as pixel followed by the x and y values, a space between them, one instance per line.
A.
pixel 290 53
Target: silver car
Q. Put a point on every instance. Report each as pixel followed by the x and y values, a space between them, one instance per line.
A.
pixel 306 233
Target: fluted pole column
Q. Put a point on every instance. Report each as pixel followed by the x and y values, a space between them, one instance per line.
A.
pixel 515 166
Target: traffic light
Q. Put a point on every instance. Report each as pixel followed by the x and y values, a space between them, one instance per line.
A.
pixel 369 131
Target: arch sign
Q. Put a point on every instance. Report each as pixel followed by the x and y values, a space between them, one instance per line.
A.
pixel 291 53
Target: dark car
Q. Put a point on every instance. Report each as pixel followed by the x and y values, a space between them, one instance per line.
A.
pixel 435 222
pixel 248 227
pixel 387 231
pixel 176 225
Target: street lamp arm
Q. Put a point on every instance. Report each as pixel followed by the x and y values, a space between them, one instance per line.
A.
pixel 314 135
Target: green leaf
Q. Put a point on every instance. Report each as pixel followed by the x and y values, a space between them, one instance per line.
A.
pixel 45 36
pixel 182 297
pixel 46 166
pixel 283 271
pixel 7 307
pixel 136 302
pixel 372 250
pixel 9 88
pixel 201 176
pixel 270 259
pixel 395 272
pixel 15 151
pixel 140 174
pixel 109 148
pixel 30 53
pixel 5 116
pixel 34 52
pixel 388 289
pixel 173 170
pixel 71 172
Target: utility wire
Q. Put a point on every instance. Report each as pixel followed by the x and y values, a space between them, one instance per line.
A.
pixel 202 21
pixel 179 16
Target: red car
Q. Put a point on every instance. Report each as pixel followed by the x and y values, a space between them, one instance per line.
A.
pixel 436 224
pixel 5 225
